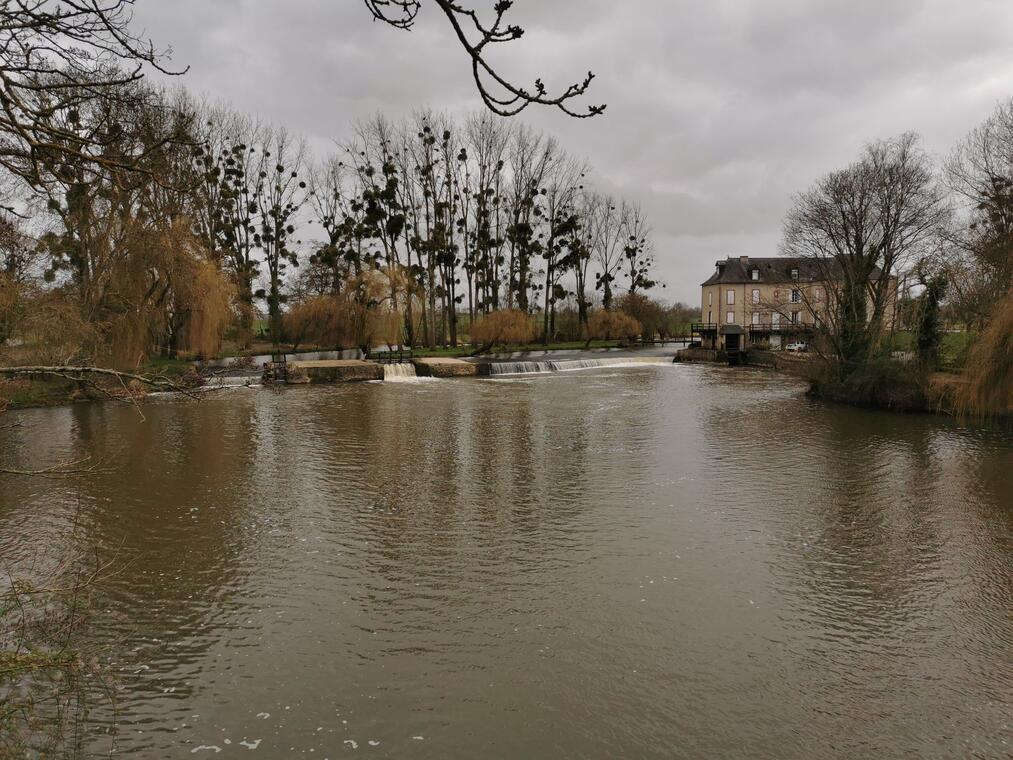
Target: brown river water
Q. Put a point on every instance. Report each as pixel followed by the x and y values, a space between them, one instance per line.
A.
pixel 657 561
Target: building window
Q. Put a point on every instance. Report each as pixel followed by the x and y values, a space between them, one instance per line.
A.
pixel 710 318
pixel 756 317
pixel 796 296
pixel 756 295
pixel 730 318
pixel 818 294
pixel 710 299
pixel 794 274
pixel 775 320
pixel 796 317
pixel 756 274
pixel 730 299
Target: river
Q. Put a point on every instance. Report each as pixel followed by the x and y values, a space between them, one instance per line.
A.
pixel 658 561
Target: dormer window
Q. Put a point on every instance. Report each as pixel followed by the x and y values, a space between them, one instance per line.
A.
pixel 756 274
pixel 794 274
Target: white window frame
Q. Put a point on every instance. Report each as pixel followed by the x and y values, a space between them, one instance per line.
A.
pixel 730 298
pixel 796 295
pixel 756 274
pixel 775 319
pixel 710 299
pixel 756 295
pixel 796 317
pixel 730 318
pixel 756 317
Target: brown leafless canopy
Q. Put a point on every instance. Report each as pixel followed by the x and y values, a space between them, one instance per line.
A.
pixel 55 56
pixel 498 93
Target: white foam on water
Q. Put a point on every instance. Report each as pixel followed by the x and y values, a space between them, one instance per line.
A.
pixel 572 365
pixel 213 747
pixel 251 745
pixel 403 373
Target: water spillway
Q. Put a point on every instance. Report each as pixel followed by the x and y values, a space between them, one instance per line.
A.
pixel 569 365
pixel 399 373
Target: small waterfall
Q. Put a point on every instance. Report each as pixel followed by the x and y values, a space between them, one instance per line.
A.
pixel 568 365
pixel 399 373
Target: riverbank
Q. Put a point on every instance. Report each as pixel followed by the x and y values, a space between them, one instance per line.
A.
pixel 885 385
pixel 318 368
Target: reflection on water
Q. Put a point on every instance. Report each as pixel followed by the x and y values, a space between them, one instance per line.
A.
pixel 676 561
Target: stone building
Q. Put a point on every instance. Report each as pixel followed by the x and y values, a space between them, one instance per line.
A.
pixel 771 301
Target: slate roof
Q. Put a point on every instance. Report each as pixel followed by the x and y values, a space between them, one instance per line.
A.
pixel 772 270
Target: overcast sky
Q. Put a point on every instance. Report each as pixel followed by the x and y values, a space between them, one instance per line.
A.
pixel 718 110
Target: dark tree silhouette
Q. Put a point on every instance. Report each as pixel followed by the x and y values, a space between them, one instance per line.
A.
pixel 54 58
pixel 498 93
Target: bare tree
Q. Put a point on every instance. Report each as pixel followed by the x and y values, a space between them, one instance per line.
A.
pixel 56 58
pixel 564 183
pixel 531 157
pixel 280 195
pixel 588 239
pixel 858 226
pixel 488 138
pixel 608 246
pixel 331 203
pixel 637 248
pixel 980 262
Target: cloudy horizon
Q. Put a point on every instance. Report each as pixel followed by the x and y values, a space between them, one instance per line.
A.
pixel 716 114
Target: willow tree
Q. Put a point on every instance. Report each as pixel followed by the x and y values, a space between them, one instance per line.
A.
pixel 980 270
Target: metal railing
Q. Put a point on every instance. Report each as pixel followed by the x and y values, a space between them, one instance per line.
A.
pixel 391 356
pixel 781 327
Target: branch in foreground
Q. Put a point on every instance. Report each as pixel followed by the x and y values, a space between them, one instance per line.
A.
pixel 475 36
pixel 89 375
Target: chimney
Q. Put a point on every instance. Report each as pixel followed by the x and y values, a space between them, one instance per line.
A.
pixel 744 260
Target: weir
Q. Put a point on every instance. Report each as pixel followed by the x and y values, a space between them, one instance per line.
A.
pixel 398 372
pixel 568 365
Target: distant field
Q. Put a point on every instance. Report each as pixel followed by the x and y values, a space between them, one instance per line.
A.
pixel 952 349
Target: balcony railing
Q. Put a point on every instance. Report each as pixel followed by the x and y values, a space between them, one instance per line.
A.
pixel 780 327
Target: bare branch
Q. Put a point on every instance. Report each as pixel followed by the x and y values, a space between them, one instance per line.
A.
pixel 499 94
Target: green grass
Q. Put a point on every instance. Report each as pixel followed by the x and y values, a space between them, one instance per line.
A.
pixel 953 350
pixel 953 347
pixel 160 365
